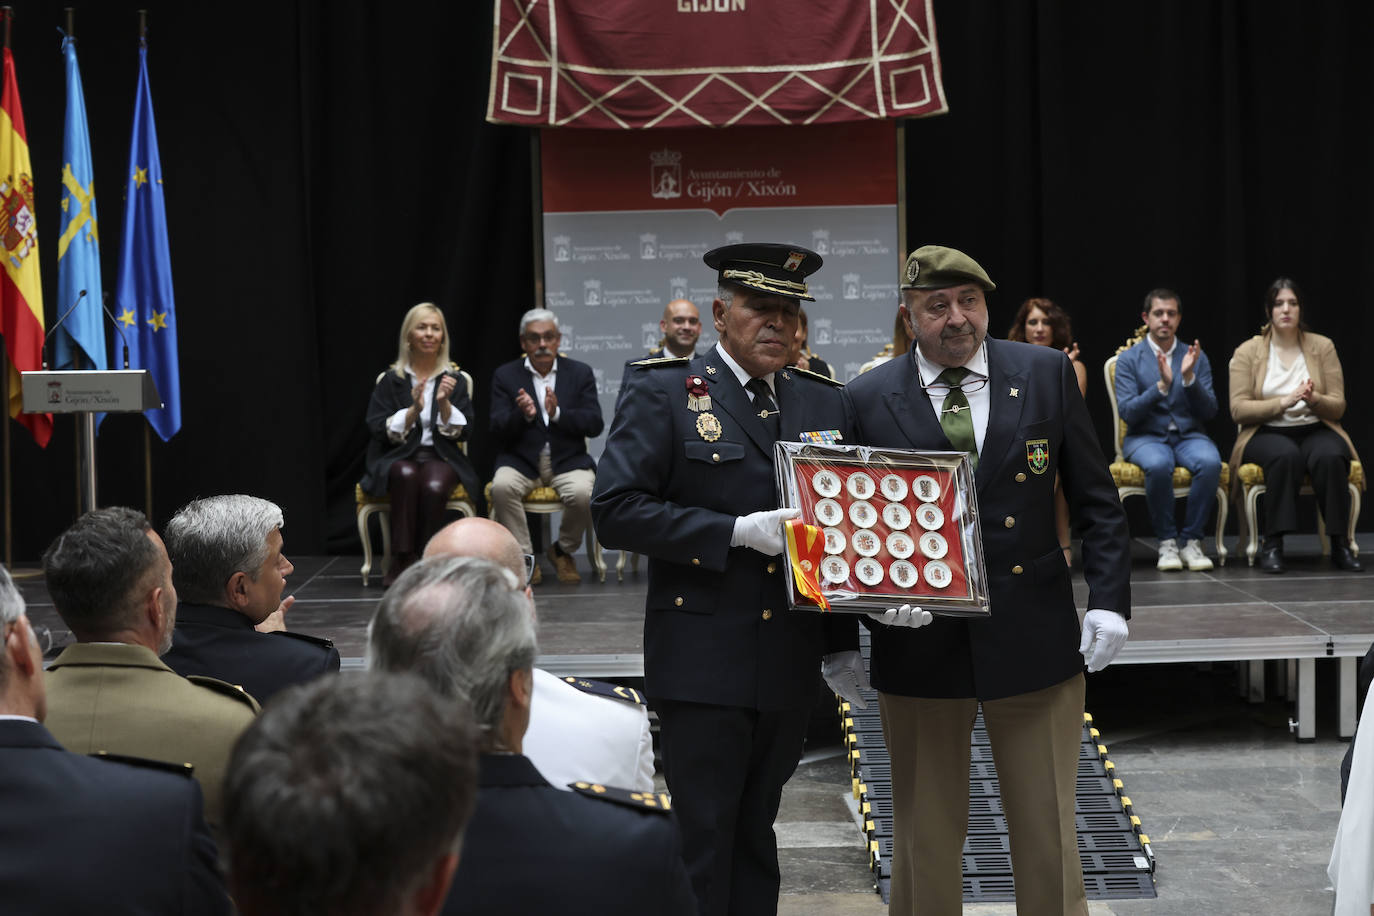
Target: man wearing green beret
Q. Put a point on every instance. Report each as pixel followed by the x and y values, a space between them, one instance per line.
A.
pixel 1017 411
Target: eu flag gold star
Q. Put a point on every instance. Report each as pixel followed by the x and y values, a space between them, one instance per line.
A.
pixel 158 321
pixel 126 318
pixel 140 177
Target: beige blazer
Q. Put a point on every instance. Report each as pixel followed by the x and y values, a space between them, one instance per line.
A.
pixel 1251 411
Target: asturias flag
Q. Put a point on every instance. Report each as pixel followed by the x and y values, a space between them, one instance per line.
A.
pixel 21 295
pixel 143 292
pixel 82 335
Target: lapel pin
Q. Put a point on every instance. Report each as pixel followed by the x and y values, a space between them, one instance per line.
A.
pixel 1015 392
pixel 710 370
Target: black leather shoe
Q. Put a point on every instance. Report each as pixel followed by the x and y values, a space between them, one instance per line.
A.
pixel 1342 557
pixel 1271 556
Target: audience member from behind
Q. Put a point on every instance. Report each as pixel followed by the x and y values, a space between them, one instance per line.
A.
pixel 465 627
pixel 111 582
pixel 229 572
pixel 580 729
pixel 419 412
pixel 1041 322
pixel 348 797
pixel 113 818
pixel 1288 397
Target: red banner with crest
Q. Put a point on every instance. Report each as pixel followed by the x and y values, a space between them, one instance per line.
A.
pixel 625 64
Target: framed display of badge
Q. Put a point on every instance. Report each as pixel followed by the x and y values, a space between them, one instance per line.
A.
pixel 881 528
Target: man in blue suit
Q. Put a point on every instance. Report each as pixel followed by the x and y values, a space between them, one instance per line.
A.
pixel 1164 393
pixel 543 409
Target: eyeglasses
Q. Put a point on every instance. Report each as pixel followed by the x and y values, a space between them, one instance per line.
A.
pixel 529 567
pixel 967 386
pixel 546 337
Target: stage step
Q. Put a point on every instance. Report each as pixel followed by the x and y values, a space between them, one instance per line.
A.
pixel 1118 862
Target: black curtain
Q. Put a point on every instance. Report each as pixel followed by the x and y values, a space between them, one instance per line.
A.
pixel 327 165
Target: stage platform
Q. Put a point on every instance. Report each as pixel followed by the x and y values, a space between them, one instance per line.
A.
pixel 1234 613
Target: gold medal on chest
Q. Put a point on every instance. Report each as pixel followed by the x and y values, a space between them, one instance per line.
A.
pixel 708 427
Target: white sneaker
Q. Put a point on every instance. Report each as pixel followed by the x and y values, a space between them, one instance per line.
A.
pixel 1168 556
pixel 1193 555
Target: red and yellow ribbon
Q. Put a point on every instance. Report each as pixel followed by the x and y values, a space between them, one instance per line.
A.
pixel 805 549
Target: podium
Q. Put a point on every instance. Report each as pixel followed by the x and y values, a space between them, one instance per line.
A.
pixel 87 392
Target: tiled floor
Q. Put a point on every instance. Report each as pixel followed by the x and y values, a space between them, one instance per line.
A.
pixel 1241 816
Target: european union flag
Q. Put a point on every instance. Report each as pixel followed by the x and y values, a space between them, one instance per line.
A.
pixel 78 250
pixel 143 292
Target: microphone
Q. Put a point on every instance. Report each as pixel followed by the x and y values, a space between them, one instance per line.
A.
pixel 44 348
pixel 105 304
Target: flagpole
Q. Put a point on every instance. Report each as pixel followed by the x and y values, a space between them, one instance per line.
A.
pixel 147 426
pixel 8 13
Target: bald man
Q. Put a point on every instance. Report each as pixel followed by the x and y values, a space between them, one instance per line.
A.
pixel 681 326
pixel 581 729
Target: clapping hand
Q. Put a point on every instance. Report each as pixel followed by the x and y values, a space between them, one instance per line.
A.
pixel 526 404
pixel 1071 351
pixel 550 403
pixel 1166 371
pixel 1190 360
pixel 1303 393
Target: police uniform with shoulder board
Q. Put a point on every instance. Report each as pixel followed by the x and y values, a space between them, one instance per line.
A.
pixel 730 670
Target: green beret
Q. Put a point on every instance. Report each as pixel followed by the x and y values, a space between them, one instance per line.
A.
pixel 938 267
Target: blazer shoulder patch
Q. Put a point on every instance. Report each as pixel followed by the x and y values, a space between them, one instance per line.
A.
pixel 607 689
pixel 225 688
pixel 147 763
pixel 660 361
pixel 658 802
pixel 305 637
pixel 817 376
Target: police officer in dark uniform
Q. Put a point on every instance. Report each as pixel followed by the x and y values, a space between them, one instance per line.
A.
pixel 687 478
pixel 464 625
pixel 229 572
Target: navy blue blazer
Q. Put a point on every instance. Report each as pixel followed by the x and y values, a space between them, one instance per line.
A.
pixel 221 643
pixel 1030 641
pixel 84 835
pixel 531 849
pixel 717 628
pixel 1147 412
pixel 518 441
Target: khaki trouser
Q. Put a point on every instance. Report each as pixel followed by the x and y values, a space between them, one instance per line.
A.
pixel 509 488
pixel 1035 738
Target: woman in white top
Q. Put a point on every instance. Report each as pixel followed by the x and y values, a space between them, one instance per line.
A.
pixel 1288 396
pixel 420 409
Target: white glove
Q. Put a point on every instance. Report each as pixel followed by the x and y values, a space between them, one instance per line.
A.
pixel 904 616
pixel 1104 632
pixel 844 672
pixel 762 531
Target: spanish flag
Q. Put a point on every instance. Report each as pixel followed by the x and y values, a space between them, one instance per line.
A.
pixel 21 295
pixel 805 550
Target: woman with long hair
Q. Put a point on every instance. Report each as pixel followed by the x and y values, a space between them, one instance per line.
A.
pixel 1288 397
pixel 420 410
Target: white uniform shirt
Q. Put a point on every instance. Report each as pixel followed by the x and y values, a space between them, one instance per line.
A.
pixel 576 736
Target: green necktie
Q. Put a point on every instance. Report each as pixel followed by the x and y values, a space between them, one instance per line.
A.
pixel 956 417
